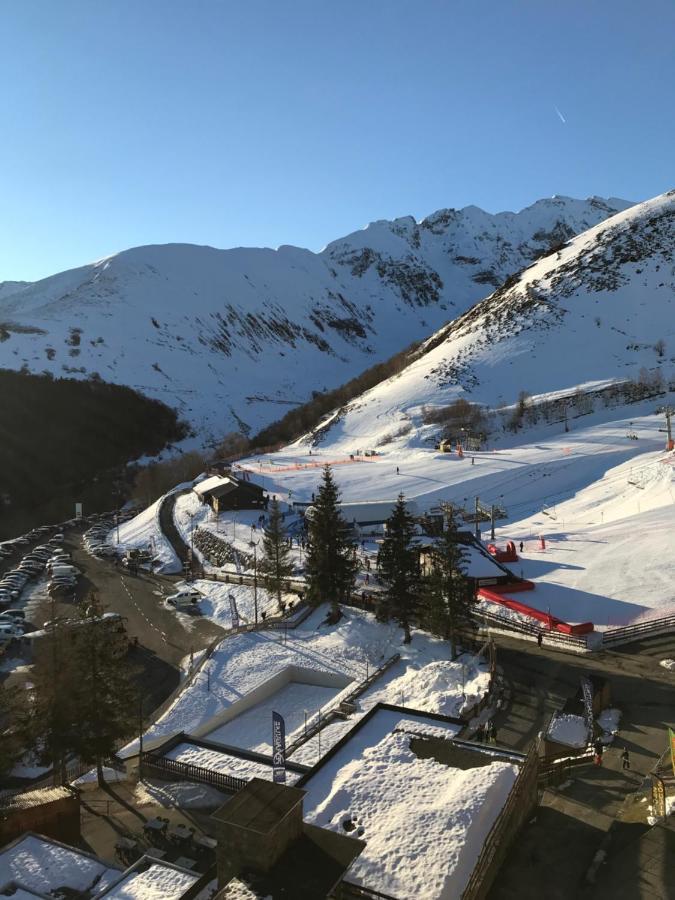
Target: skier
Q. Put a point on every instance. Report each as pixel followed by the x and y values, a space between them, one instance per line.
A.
pixel 625 759
pixel 397 471
pixel 521 546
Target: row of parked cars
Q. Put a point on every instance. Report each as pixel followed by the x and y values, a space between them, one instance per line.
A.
pixel 95 538
pixel 49 556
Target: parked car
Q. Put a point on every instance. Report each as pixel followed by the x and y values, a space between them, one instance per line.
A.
pixel 184 599
pixel 15 613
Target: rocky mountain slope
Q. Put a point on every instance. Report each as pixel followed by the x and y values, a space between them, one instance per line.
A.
pixel 231 338
pixel 599 309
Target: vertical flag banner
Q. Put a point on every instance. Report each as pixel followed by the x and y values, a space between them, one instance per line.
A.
pixel 234 612
pixel 278 748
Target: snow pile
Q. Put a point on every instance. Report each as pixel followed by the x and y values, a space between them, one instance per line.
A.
pixel 215 604
pixel 668 664
pixel 143 532
pixel 424 823
pixel 157 882
pixel 569 730
pixel 42 865
pixel 609 720
pixel 442 687
pixel 110 775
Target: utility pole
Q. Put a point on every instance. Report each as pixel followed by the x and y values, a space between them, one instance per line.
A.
pixel 477 525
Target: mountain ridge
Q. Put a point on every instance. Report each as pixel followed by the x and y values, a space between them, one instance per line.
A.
pixel 232 337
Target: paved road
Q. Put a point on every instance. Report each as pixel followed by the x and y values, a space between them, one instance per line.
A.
pixel 596 810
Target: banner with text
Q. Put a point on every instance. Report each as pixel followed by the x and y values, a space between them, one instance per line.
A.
pixel 278 748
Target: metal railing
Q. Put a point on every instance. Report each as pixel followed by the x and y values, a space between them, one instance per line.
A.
pixel 549 637
pixel 188 772
pixel 626 633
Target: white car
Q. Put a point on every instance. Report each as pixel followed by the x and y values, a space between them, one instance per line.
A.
pixel 183 599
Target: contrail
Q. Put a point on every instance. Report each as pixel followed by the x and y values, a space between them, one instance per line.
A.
pixel 562 118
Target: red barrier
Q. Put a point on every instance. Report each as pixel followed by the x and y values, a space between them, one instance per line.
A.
pixel 514 587
pixel 507 555
pixel 553 623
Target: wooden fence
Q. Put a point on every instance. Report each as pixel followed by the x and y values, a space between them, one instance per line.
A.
pixel 521 800
pixel 627 633
pixel 162 767
pixel 556 770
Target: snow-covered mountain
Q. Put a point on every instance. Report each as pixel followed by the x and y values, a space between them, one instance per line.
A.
pixel 231 338
pixel 599 309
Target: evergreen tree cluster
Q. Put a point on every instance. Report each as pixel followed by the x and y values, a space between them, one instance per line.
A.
pixel 440 598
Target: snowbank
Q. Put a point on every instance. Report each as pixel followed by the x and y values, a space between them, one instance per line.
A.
pixel 143 532
pixel 569 730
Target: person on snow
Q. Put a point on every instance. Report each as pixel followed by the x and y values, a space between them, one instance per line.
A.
pixel 521 546
pixel 540 639
pixel 599 750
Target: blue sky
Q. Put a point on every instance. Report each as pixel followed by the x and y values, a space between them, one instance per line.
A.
pixel 267 122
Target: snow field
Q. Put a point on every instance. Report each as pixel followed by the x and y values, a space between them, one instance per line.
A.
pixel 424 677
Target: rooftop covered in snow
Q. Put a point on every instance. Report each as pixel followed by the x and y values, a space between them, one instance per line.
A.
pixel 422 801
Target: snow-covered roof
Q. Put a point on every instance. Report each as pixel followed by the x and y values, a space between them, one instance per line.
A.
pixel 569 730
pixel 215 481
pixel 480 565
pixel 424 822
pixel 43 865
pixel 159 881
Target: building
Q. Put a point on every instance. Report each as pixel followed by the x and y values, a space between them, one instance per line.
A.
pixel 229 492
pixel 35 866
pixel 436 813
pixel 265 847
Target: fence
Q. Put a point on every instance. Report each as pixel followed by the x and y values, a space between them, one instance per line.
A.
pixel 154 763
pixel 521 800
pixel 555 771
pixel 564 641
pixel 628 633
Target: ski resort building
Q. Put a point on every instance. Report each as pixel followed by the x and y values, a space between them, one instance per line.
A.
pixel 223 492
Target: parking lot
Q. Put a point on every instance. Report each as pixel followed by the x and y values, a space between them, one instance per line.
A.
pixel 160 638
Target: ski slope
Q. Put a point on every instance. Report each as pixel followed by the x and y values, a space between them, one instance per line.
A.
pixel 604 503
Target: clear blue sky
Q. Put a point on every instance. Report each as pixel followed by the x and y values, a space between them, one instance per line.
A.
pixel 267 122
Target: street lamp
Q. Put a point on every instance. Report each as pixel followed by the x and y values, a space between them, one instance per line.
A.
pixel 255 580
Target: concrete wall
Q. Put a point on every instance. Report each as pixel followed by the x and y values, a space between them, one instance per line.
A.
pixel 268 688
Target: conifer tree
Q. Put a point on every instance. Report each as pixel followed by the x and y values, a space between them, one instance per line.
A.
pixel 398 562
pixel 448 595
pixel 48 724
pixel 331 564
pixel 276 565
pixel 11 745
pixel 107 700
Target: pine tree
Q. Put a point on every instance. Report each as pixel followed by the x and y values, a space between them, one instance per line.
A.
pixel 331 564
pixel 48 724
pixel 11 745
pixel 448 595
pixel 398 562
pixel 276 565
pixel 107 700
